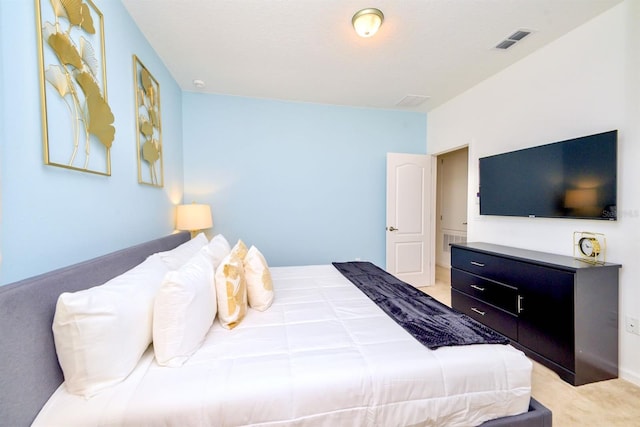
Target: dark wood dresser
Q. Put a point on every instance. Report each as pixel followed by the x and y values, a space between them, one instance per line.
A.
pixel 560 311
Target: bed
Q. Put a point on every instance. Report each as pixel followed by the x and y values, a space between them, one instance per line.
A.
pixel 322 354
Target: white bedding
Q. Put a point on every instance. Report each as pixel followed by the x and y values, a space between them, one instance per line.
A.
pixel 323 354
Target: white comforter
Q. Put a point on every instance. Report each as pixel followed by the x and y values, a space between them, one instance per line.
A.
pixel 323 354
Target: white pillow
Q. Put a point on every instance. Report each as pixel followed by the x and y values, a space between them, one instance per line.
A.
pixel 177 257
pixel 231 290
pixel 184 311
pixel 100 333
pixel 259 283
pixel 218 248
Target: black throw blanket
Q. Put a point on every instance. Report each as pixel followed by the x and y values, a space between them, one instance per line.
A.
pixel 429 321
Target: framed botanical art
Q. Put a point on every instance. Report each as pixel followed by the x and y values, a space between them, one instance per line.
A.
pixel 77 121
pixel 148 126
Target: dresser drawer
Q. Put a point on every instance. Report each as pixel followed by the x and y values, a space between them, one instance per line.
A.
pixel 493 317
pixel 498 294
pixel 482 264
pixel 504 270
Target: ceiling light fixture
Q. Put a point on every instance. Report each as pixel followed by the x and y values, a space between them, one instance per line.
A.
pixel 366 22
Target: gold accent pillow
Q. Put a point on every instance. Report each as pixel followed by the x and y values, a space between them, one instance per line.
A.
pixel 259 283
pixel 231 291
pixel 239 250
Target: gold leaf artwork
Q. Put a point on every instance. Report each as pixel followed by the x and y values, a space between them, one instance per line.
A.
pixel 149 127
pixel 150 151
pixel 89 56
pixel 146 127
pixel 99 113
pixel 58 79
pixel 73 84
pixel 65 50
pixel 78 14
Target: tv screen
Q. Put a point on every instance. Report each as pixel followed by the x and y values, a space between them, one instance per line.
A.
pixel 568 179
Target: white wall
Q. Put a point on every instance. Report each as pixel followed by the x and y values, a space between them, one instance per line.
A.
pixel 586 82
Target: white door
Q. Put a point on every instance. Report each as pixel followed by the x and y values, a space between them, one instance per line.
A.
pixel 409 226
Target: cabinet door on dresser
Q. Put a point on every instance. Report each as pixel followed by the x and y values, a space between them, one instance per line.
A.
pixel 546 317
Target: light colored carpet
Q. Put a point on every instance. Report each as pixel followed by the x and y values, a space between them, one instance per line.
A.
pixel 613 403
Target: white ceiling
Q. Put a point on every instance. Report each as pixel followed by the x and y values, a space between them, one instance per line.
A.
pixel 307 50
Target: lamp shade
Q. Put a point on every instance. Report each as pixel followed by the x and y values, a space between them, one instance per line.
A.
pixel 366 22
pixel 193 217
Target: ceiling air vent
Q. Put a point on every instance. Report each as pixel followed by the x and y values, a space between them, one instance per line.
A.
pixel 519 35
pixel 412 100
pixel 505 44
pixel 512 39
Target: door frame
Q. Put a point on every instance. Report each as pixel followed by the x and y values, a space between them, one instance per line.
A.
pixel 469 146
pixel 432 221
pixel 438 185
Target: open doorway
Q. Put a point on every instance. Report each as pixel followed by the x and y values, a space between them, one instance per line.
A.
pixel 451 202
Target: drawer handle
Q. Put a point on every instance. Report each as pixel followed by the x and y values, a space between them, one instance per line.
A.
pixel 477 288
pixel 481 313
pixel 477 264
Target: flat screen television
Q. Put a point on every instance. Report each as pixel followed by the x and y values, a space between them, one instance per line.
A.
pixel 575 178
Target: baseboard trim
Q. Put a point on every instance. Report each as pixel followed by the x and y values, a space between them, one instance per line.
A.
pixel 627 375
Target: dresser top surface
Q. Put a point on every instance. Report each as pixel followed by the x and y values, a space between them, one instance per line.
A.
pixel 553 260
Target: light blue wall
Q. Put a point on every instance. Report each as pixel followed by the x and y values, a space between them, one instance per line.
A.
pixel 2 136
pixel 51 216
pixel 305 183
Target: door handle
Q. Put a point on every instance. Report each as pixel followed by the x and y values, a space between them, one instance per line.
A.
pixel 392 228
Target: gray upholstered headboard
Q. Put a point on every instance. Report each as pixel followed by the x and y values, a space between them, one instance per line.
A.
pixel 29 370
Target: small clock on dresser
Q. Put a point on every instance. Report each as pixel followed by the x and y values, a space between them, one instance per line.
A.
pixel 589 247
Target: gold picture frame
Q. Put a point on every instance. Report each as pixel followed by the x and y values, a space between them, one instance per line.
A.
pixel 77 121
pixel 148 126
